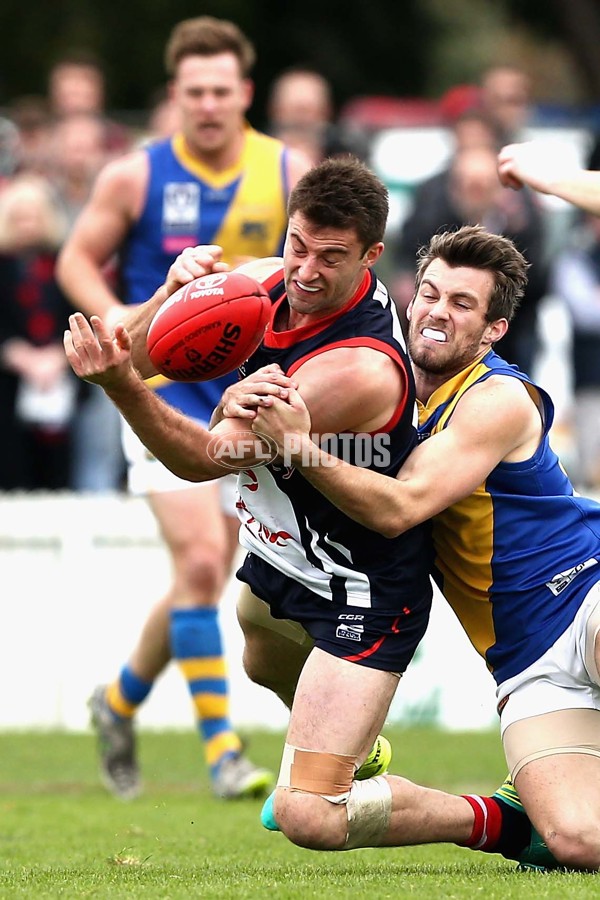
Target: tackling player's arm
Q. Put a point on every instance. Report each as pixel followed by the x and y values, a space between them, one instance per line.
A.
pixel 357 378
pixel 494 421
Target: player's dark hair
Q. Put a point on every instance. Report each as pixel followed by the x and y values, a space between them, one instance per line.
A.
pixel 343 192
pixel 474 247
pixel 207 36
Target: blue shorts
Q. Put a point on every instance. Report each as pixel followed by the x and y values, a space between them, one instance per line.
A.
pixel 379 639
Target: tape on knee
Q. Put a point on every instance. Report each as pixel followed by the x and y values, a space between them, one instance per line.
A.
pixel 369 809
pixel 327 774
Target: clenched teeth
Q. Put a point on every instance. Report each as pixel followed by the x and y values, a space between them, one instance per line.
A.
pixel 434 335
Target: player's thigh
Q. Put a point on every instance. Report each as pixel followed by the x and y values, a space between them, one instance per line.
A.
pixel 339 706
pixel 191 519
pixel 555 759
pixel 275 650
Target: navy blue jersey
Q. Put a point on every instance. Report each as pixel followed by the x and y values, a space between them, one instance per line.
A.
pixel 291 525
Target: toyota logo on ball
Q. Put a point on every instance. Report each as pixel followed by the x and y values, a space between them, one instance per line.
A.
pixel 213 280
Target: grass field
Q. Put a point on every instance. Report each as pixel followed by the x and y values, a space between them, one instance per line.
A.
pixel 61 835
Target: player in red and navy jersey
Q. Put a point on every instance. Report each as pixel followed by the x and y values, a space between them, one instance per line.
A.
pixel 361 599
pixel 327 564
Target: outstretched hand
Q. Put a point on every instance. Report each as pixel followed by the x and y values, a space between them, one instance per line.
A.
pixel 95 355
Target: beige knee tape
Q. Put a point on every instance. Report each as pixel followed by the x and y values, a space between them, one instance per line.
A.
pixel 369 809
pixel 327 774
pixel 561 731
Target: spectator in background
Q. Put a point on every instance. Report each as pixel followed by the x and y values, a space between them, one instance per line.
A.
pixel 474 128
pixel 10 149
pixel 431 203
pixel 77 84
pixel 37 392
pixel 78 153
pixel 300 110
pixel 468 192
pixel 32 117
pixel 85 137
pixel 505 96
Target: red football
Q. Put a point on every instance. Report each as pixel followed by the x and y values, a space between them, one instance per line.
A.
pixel 209 327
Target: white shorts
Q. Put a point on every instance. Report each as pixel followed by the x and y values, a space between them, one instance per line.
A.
pixel 565 677
pixel 146 475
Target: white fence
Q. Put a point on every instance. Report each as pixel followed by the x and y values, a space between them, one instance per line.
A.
pixel 79 574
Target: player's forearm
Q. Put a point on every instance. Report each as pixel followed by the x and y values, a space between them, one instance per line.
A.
pixel 581 188
pixel 368 497
pixel 178 442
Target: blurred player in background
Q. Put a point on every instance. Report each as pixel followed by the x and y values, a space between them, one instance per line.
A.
pixel 217 180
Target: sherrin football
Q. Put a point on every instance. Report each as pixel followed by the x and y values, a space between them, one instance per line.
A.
pixel 208 327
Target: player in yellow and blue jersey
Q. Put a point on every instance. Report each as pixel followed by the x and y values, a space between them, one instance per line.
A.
pixel 216 181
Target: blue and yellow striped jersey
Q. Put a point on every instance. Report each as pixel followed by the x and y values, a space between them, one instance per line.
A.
pixel 516 558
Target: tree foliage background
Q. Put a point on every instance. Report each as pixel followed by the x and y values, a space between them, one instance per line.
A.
pixel 393 47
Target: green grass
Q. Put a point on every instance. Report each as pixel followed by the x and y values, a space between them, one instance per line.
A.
pixel 61 835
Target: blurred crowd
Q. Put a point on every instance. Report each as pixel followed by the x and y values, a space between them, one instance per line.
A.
pixel 60 434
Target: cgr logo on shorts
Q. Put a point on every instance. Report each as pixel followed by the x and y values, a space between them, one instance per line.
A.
pixel 231 450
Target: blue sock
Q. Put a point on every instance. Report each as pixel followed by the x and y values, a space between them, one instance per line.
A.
pixel 198 650
pixel 126 693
